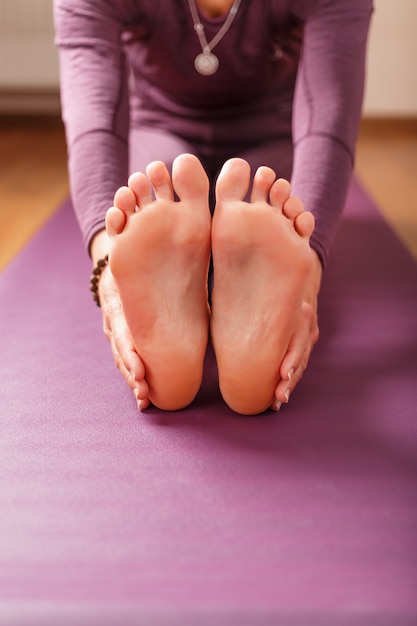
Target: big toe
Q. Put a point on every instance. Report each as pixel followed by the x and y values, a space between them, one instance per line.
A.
pixel 189 178
pixel 233 181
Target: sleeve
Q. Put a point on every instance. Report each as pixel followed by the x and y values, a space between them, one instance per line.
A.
pixel 95 105
pixel 327 110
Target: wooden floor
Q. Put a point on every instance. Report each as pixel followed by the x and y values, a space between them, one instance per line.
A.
pixel 33 176
pixel 386 163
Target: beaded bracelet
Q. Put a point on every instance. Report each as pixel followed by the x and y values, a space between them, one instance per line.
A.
pixel 95 278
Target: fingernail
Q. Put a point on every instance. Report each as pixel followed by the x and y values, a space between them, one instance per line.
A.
pixel 291 373
pixel 136 392
pixel 287 395
pixel 276 406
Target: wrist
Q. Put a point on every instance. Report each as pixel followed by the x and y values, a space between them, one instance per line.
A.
pixel 99 268
pixel 99 250
pixel 317 270
pixel 99 246
pixel 313 280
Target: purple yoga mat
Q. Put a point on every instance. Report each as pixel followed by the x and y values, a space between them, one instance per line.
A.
pixel 306 517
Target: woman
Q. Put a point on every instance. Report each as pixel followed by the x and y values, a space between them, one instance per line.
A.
pixel 249 89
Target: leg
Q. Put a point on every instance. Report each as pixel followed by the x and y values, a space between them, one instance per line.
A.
pixel 159 256
pixel 276 154
pixel 147 145
pixel 261 259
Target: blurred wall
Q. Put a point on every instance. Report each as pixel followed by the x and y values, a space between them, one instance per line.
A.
pixel 28 57
pixel 392 60
pixel 29 65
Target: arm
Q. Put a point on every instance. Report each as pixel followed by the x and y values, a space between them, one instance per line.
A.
pixel 95 105
pixel 327 110
pixel 94 94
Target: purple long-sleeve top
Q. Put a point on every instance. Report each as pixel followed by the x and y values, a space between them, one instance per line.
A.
pixel 129 62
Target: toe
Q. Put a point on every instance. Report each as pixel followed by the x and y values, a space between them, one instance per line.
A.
pixel 160 180
pixel 125 200
pixel 189 178
pixel 262 182
pixel 280 192
pixel 233 181
pixel 292 208
pixel 140 186
pixel 115 221
pixel 304 224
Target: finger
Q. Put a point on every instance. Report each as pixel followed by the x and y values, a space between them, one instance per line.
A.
pixel 286 387
pixel 123 349
pixel 127 374
pixel 143 403
pixel 140 388
pixel 124 346
pixel 141 392
pixel 118 333
pixel 299 343
pixel 297 356
pixel 124 353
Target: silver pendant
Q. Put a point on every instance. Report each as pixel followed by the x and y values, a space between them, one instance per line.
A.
pixel 206 63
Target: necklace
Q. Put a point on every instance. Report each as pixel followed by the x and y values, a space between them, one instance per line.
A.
pixel 206 63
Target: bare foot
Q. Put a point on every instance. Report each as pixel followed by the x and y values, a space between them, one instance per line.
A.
pixel 159 256
pixel 261 259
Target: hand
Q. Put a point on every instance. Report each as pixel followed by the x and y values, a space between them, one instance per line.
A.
pixel 115 327
pixel 117 332
pixel 304 338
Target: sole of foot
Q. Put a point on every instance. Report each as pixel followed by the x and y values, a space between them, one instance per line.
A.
pixel 159 256
pixel 261 260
